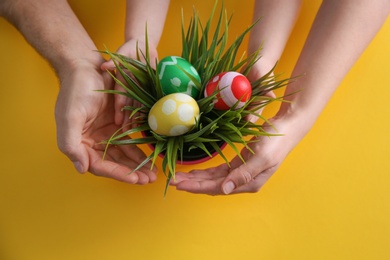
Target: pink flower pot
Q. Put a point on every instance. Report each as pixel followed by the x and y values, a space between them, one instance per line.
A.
pixel 195 155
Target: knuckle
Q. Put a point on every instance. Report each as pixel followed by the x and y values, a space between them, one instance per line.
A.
pixel 143 181
pixel 65 148
pixel 244 177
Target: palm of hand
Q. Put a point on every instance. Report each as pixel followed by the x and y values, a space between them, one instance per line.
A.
pixel 84 119
pixel 242 177
pixel 269 152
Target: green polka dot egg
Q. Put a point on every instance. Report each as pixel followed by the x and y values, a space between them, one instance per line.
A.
pixel 173 79
pixel 173 115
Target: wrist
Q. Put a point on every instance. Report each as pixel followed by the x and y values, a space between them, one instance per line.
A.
pixel 299 119
pixel 291 126
pixel 140 39
pixel 135 46
pixel 66 64
pixel 265 64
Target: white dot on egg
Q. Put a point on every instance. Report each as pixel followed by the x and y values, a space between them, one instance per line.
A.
pixel 178 130
pixel 191 84
pixel 152 122
pixel 176 82
pixel 182 97
pixel 216 78
pixel 186 112
pixel 168 107
pixel 193 70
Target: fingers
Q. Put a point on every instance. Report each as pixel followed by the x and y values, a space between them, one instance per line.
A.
pixel 213 183
pixel 76 153
pixel 207 174
pixel 119 162
pixel 133 153
pixel 127 49
pixel 257 182
pixel 131 49
pixel 69 139
pixel 120 116
pixel 251 175
pixel 222 180
pixel 201 181
pixel 108 65
pixel 120 102
pixel 117 165
pixel 209 187
pixel 245 179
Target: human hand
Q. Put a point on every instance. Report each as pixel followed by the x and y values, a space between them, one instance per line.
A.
pixel 128 49
pixel 259 69
pixel 85 118
pixel 249 177
pixel 269 153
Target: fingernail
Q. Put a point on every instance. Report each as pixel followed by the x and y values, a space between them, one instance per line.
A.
pixel 78 166
pixel 228 187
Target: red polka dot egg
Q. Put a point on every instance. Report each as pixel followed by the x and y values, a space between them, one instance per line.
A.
pixel 174 114
pixel 235 89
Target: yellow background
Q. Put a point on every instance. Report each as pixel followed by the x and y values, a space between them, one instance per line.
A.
pixel 330 199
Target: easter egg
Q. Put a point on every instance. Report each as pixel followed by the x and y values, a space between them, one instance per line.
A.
pixel 234 88
pixel 173 78
pixel 173 115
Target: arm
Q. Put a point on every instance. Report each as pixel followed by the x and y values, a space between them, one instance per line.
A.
pixel 53 30
pixel 277 19
pixel 84 117
pixel 139 14
pixel 271 34
pixel 340 33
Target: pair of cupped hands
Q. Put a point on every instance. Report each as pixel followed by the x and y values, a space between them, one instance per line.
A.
pixel 85 118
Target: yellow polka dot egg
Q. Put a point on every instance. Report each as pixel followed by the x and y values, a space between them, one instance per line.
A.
pixel 174 114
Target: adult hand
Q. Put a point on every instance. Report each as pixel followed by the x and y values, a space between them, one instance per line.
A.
pixel 85 118
pixel 259 69
pixel 128 49
pixel 269 153
pixel 240 177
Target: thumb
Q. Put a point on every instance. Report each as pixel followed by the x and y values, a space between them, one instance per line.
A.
pixel 238 177
pixel 69 142
pixel 252 175
pixel 107 65
pixel 242 174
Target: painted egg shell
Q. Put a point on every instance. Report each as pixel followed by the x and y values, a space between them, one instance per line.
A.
pixel 234 87
pixel 174 80
pixel 173 115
